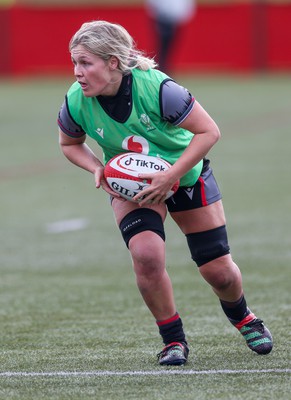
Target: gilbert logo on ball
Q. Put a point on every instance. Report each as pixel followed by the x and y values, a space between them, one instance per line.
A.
pixel 122 173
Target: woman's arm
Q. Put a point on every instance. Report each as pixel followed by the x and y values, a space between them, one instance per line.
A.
pixel 80 154
pixel 77 151
pixel 206 135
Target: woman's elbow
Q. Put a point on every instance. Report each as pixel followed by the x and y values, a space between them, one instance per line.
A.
pixel 214 132
pixel 217 134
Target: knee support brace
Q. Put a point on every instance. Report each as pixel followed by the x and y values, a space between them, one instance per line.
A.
pixel 209 245
pixel 139 220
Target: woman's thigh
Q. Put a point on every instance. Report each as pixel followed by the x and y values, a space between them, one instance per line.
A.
pixel 122 207
pixel 200 219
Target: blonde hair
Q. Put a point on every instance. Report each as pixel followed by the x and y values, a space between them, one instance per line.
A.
pixel 105 39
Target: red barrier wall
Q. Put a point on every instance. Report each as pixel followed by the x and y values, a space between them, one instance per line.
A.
pixel 6 47
pixel 279 37
pixel 229 37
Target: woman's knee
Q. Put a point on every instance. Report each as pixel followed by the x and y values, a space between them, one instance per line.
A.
pixel 222 273
pixel 147 250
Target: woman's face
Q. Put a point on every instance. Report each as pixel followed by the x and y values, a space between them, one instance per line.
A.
pixel 95 76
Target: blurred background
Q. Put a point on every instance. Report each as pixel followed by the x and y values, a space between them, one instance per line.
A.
pixel 219 35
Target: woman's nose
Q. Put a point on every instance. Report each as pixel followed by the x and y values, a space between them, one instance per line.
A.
pixel 77 70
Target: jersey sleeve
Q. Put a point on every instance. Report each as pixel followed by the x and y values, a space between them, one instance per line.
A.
pixel 67 123
pixel 176 102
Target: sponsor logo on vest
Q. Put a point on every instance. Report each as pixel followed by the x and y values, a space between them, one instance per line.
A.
pixel 145 120
pixel 137 144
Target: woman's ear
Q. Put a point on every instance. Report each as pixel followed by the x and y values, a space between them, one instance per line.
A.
pixel 113 63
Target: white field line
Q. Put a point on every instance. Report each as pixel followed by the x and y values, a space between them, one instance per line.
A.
pixel 182 371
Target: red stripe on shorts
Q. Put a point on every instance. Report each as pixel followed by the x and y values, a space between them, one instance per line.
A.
pixel 203 194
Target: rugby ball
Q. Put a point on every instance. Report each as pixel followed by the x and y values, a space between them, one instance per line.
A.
pixel 121 173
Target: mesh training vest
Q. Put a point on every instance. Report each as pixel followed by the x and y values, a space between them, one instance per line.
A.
pixel 143 132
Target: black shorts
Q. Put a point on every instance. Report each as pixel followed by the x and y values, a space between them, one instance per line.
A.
pixel 204 192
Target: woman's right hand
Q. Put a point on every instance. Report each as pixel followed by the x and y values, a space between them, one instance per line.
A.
pixel 100 181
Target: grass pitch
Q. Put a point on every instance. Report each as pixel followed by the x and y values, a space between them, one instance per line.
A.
pixel 73 325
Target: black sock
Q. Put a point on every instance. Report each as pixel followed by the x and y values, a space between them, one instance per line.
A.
pixel 235 311
pixel 171 330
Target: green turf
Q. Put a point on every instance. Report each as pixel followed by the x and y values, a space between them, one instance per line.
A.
pixel 68 300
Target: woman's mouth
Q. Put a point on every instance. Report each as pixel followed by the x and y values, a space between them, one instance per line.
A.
pixel 83 85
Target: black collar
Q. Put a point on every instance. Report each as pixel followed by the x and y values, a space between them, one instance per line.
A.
pixel 119 107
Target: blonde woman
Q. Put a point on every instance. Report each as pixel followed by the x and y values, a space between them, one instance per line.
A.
pixel 117 89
